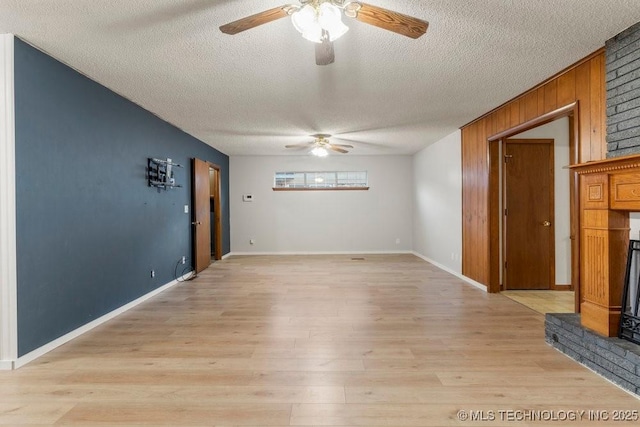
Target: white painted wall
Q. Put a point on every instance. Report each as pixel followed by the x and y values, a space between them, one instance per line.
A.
pixel 321 221
pixel 437 216
pixel 559 131
pixel 8 280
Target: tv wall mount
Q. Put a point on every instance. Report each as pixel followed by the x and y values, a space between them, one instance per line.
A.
pixel 160 173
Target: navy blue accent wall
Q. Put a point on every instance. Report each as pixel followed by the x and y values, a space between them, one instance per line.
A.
pixel 89 229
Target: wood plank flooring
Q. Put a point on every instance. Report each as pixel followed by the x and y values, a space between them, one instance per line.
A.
pixel 310 341
pixel 544 301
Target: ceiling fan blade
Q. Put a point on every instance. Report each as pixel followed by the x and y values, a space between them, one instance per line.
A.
pixel 334 148
pixel 252 21
pixel 392 21
pixel 324 51
pixel 342 145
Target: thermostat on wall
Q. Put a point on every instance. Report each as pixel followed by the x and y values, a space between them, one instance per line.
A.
pixel 247 197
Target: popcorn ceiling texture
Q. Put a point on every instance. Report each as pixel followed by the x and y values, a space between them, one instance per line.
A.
pixel 253 93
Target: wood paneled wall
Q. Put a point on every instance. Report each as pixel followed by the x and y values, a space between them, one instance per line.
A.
pixel 583 82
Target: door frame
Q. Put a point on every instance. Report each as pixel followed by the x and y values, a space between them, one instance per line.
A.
pixel 493 158
pixel 217 212
pixel 552 252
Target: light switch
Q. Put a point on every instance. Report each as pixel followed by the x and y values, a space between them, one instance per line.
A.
pixel 186 208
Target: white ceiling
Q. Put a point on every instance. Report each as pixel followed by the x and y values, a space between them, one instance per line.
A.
pixel 259 90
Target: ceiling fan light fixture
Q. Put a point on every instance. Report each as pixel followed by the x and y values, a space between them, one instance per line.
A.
pixel 320 152
pixel 313 34
pixel 330 19
pixel 311 20
pixel 305 20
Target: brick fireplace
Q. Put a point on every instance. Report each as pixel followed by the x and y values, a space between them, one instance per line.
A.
pixel 609 190
pixel 623 93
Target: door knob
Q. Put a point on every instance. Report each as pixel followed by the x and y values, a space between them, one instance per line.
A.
pixel 546 224
pixel 195 223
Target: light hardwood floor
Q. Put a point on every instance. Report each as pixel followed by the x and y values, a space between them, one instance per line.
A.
pixel 323 340
pixel 544 301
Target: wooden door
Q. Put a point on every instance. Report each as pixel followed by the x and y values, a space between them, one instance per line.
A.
pixel 201 221
pixel 216 226
pixel 529 241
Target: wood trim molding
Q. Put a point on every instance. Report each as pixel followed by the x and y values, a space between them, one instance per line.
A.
pixel 8 266
pixel 572 111
pixel 614 164
pixel 567 110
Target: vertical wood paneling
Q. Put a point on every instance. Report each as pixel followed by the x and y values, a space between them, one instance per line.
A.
pixel 490 126
pixel 550 96
pixel 501 120
pixel 466 228
pixel 566 92
pixel 603 110
pixel 467 203
pixel 475 220
pixel 494 220
pixel 514 113
pixel 483 197
pixel 598 120
pixel 584 83
pixel 540 92
pixel 473 216
pixel 529 107
pixel 583 95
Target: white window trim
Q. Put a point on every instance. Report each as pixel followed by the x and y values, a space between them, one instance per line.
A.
pixel 8 266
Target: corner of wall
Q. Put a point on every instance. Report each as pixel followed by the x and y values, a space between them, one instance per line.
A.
pixel 437 202
pixel 8 276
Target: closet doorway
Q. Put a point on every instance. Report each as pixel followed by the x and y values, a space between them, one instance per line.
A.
pixel 207 228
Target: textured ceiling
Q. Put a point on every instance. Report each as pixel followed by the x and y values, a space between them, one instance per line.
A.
pixel 257 91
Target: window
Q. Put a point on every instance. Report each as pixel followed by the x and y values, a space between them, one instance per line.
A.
pixel 321 181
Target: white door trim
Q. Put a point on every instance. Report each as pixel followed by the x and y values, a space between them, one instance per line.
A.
pixel 8 266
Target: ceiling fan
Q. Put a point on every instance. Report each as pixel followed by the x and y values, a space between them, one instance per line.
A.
pixel 321 144
pixel 320 21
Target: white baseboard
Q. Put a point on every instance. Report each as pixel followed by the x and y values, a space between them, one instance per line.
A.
pixel 226 256
pixel 450 271
pixel 319 253
pixel 6 365
pixel 29 357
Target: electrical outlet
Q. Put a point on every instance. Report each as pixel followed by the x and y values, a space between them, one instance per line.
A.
pixel 397 241
pixel 153 274
pixel 184 259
